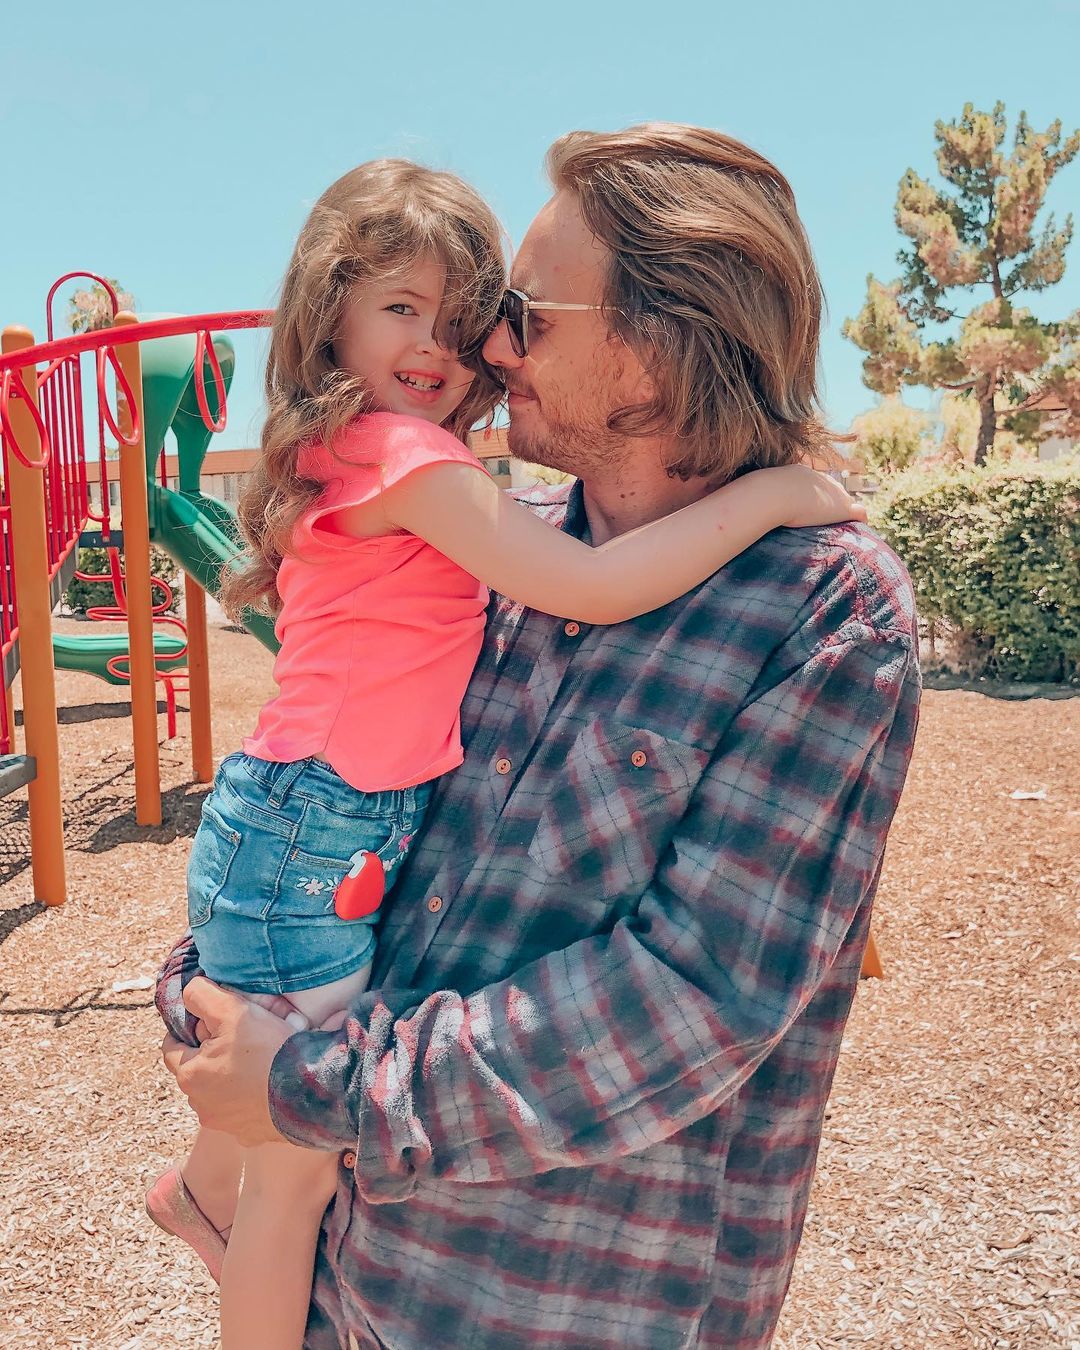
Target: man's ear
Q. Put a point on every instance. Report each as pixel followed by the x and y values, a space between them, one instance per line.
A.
pixel 640 363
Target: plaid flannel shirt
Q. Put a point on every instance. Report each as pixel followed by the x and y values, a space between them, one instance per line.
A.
pixel 581 1104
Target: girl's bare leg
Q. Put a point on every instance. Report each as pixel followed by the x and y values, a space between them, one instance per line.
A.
pixel 266 1279
pixel 213 1167
pixel 212 1175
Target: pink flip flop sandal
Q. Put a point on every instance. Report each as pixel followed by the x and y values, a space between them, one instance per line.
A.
pixel 172 1207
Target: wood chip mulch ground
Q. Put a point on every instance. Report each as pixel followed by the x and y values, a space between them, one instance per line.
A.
pixel 944 1211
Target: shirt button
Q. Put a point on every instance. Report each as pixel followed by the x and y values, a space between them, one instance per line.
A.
pixel 572 629
pixel 502 766
pixel 638 758
pixel 348 1160
pixel 435 904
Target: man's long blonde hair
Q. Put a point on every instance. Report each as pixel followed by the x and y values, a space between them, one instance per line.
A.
pixel 713 283
pixel 376 219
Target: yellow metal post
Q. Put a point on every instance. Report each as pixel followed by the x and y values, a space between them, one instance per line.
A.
pixel 136 527
pixel 202 745
pixel 26 491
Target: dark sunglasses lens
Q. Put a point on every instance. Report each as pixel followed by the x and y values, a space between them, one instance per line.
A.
pixel 513 311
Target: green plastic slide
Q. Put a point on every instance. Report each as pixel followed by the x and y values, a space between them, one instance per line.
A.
pixel 193 539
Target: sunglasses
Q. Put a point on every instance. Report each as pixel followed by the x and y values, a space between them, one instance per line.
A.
pixel 514 312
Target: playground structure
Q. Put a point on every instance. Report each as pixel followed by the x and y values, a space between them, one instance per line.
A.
pixel 170 375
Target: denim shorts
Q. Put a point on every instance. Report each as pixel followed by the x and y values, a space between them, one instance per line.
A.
pixel 273 844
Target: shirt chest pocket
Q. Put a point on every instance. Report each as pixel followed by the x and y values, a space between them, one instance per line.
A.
pixel 618 799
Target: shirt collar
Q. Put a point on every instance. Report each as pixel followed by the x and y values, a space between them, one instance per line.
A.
pixel 576 522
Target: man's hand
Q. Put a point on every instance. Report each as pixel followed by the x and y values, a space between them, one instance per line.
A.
pixel 226 1079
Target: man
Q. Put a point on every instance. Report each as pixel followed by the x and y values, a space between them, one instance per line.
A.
pixel 581 1104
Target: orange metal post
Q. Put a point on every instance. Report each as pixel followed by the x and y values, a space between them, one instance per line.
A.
pixel 202 745
pixel 871 962
pixel 136 526
pixel 26 488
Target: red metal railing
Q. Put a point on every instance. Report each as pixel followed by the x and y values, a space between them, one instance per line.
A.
pixel 62 455
pixel 136 332
pixel 62 459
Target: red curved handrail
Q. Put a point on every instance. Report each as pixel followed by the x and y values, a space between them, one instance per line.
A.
pixel 70 276
pixel 115 578
pixel 109 354
pixel 114 665
pixel 118 611
pixel 119 666
pixel 173 680
pixel 136 332
pixel 204 350
pixel 6 385
pixel 103 519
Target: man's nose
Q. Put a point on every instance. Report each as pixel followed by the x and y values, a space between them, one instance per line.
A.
pixel 497 350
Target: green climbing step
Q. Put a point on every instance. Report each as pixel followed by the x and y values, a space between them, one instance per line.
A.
pixel 93 653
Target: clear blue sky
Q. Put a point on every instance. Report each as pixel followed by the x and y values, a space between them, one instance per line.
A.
pixel 179 146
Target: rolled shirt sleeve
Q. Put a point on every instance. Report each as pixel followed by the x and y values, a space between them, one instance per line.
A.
pixel 622 1039
pixel 180 966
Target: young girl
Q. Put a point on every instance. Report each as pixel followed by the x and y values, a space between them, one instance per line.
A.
pixel 374 533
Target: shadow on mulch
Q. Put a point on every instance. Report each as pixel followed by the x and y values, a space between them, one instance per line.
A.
pixel 14 845
pixel 73 713
pixel 108 820
pixel 101 817
pixel 10 919
pixel 88 1000
pixel 1009 690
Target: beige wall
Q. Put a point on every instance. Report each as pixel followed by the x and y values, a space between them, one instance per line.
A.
pixel 1055 447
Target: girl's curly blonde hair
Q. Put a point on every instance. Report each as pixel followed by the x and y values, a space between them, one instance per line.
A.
pixel 377 219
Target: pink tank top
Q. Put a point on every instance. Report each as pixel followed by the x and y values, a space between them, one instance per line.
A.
pixel 378 636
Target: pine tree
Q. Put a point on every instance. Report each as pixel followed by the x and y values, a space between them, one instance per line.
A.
pixel 929 326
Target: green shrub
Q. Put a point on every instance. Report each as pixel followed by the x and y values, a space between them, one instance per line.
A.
pixel 82 595
pixel 994 554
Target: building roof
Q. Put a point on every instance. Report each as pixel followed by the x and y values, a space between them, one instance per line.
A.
pixel 490 443
pixel 216 462
pixel 487 444
pixel 1045 401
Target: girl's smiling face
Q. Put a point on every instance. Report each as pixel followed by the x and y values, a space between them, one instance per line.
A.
pixel 387 338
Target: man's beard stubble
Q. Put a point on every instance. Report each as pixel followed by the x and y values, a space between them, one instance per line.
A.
pixel 577 448
pixel 550 452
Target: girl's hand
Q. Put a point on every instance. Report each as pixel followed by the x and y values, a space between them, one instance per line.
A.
pixel 817 499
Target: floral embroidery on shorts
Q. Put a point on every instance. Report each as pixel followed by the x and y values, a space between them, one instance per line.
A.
pixel 313 886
